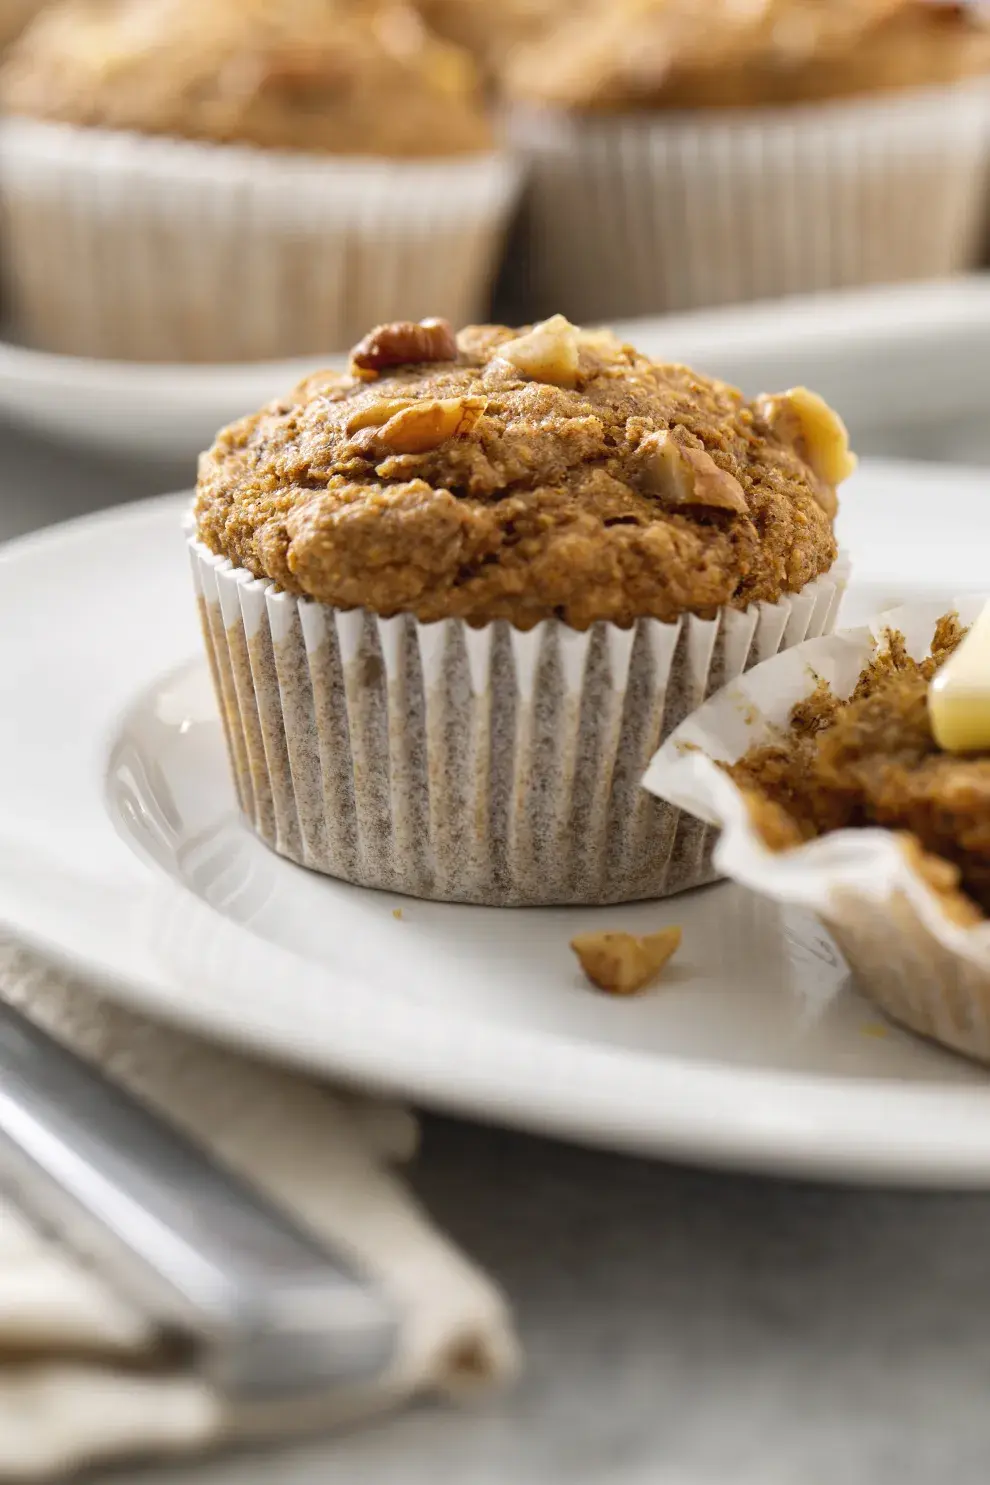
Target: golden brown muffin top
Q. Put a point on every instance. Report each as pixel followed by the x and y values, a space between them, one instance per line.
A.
pixel 522 476
pixel 627 54
pixel 872 760
pixel 359 79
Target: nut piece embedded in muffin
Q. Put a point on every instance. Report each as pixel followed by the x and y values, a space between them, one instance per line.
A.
pixel 532 474
pixel 296 75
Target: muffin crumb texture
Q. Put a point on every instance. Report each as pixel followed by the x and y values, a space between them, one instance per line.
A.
pixel 549 472
pixel 872 760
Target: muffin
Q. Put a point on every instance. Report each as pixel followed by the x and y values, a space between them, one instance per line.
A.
pixel 455 597
pixel 240 179
pixel 737 152
pixel 838 792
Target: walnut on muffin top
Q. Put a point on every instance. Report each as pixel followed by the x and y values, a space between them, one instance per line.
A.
pixel 525 475
pixel 628 54
pixel 357 79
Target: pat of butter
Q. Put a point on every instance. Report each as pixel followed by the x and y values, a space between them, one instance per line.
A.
pixel 959 695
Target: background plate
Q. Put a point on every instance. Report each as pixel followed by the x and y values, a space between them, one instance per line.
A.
pixel 120 855
pixel 904 364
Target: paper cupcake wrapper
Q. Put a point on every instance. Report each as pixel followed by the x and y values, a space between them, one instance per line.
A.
pixel 472 765
pixel 650 213
pixel 117 245
pixel 922 968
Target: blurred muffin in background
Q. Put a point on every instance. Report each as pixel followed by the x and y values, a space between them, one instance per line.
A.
pixel 747 150
pixel 224 180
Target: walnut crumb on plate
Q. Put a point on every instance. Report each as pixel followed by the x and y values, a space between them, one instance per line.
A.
pixel 622 963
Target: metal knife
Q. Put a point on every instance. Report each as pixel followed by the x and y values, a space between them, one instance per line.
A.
pixel 266 1313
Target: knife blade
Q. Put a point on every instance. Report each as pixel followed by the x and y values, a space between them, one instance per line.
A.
pixel 265 1311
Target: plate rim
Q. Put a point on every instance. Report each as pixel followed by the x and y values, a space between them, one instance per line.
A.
pixel 885 347
pixel 747 1131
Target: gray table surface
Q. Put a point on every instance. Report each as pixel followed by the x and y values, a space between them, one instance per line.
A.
pixel 679 1328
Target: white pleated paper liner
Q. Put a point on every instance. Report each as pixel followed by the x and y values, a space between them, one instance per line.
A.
pixel 922 968
pixel 120 246
pixel 472 765
pixel 645 214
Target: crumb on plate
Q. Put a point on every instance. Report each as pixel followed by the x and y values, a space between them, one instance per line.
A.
pixel 875 1029
pixel 622 963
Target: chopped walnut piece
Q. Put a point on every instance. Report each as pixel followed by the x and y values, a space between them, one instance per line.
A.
pixel 376 413
pixel 684 476
pixel 547 353
pixel 621 963
pixel 817 435
pixel 404 343
pixel 422 426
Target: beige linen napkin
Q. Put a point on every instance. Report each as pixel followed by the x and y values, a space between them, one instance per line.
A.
pixel 78 1376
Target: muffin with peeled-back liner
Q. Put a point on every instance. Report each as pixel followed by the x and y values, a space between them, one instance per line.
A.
pixel 850 778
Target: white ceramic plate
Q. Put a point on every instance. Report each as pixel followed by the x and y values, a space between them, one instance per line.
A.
pixel 886 357
pixel 121 855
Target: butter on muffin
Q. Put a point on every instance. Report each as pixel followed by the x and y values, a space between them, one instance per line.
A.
pixel 745 151
pixel 455 596
pixel 241 179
